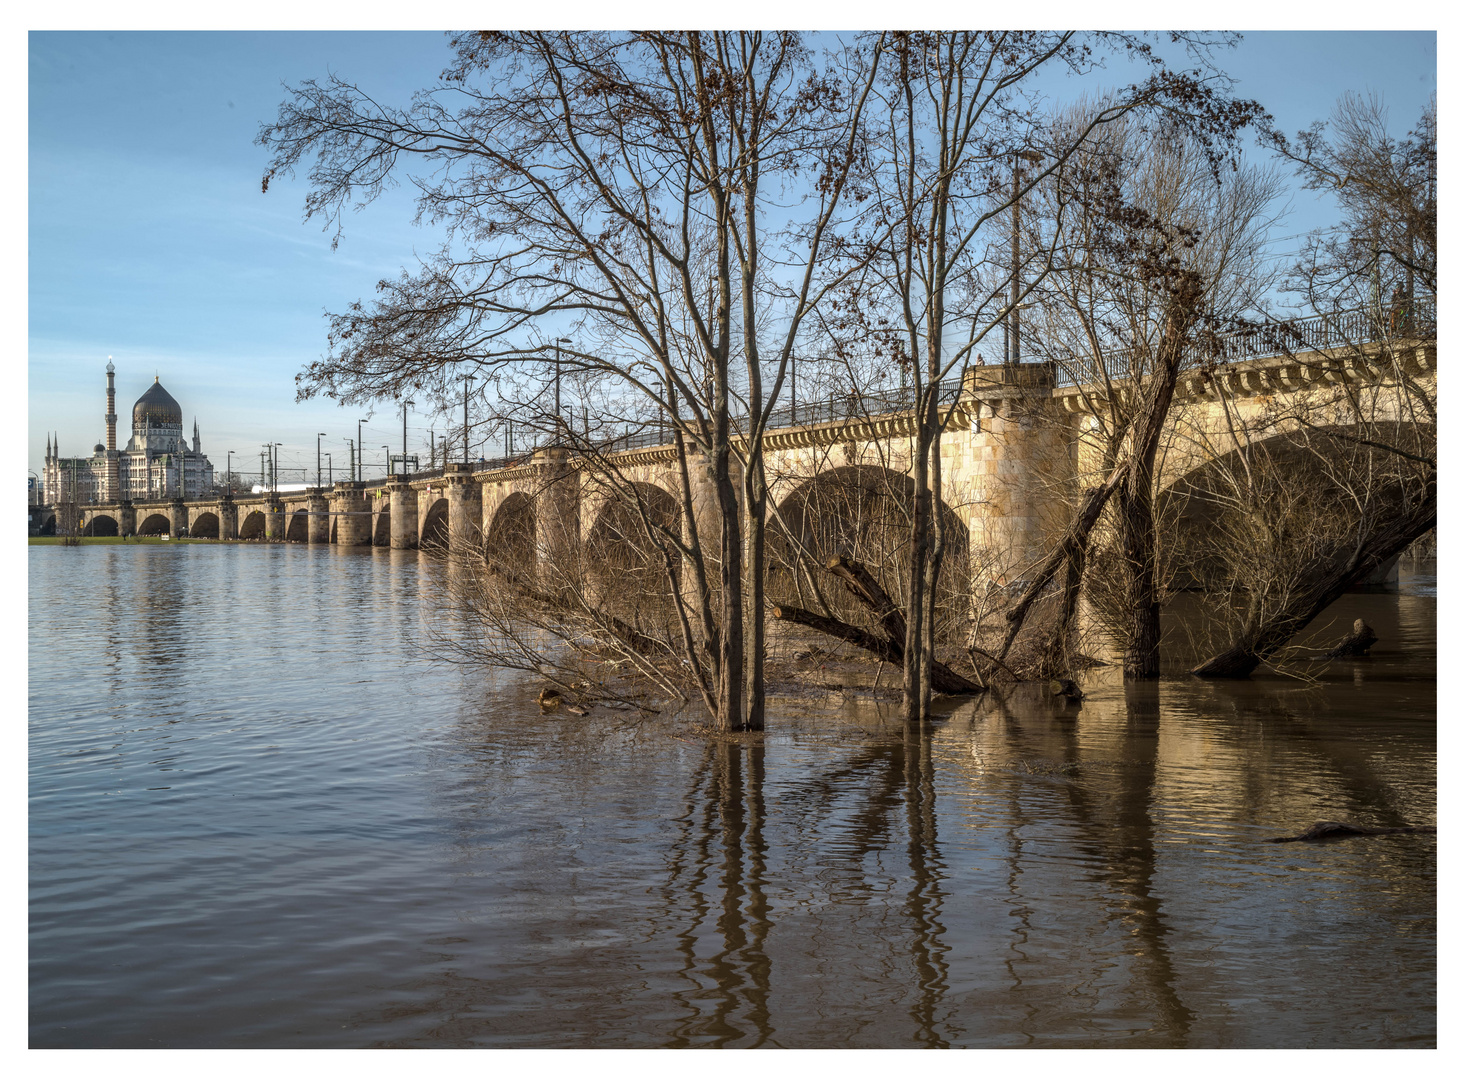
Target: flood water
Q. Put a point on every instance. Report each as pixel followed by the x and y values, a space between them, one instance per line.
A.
pixel 257 819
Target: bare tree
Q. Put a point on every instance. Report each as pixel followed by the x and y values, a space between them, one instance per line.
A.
pixel 1331 486
pixel 952 121
pixel 622 189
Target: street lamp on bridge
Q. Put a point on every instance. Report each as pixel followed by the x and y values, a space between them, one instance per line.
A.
pixel 318 436
pixel 405 405
pixel 466 380
pixel 557 343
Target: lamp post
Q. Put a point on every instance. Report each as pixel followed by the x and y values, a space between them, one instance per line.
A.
pixel 387 463
pixel 1032 157
pixel 228 481
pixel 466 380
pixel 557 342
pixel 362 467
pixel 330 472
pixel 405 405
pixel 275 471
pixel 318 436
pixel 351 444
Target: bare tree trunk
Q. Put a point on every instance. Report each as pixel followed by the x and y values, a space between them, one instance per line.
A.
pixel 916 661
pixel 1137 494
pixel 755 489
pixel 1069 553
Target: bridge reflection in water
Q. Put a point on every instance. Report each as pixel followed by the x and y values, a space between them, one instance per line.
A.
pixel 309 838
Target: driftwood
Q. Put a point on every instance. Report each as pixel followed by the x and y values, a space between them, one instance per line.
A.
pixel 1355 644
pixel 943 679
pixel 864 588
pixel 1340 830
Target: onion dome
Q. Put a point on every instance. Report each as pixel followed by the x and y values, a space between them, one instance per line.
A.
pixel 157 407
pixel 99 449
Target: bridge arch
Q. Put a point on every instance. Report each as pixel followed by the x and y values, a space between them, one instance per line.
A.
pixel 1283 500
pixel 101 525
pixel 298 529
pixel 205 525
pixel 863 512
pixel 154 524
pixel 382 534
pixel 510 538
pixel 435 526
pixel 619 550
pixel 48 526
pixel 253 526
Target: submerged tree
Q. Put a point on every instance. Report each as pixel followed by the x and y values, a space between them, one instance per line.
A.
pixel 1329 488
pixel 624 188
pixel 953 128
pixel 1156 254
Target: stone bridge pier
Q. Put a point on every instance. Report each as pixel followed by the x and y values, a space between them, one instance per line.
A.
pixel 402 500
pixel 465 507
pixel 1022 469
pixel 352 514
pixel 228 520
pixel 557 509
pixel 318 520
pixel 126 519
pixel 178 517
pixel 275 521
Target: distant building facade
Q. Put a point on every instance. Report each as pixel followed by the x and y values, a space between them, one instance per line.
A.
pixel 156 463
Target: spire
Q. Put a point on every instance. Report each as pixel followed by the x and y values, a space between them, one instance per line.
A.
pixel 48 446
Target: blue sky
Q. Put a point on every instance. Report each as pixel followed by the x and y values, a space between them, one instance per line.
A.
pixel 150 240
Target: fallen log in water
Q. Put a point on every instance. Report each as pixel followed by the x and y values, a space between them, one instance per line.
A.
pixel 1341 830
pixel 943 679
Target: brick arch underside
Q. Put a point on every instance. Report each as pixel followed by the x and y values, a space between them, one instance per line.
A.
pixel 1279 499
pixel 435 525
pixel 205 525
pixel 101 525
pixel 863 512
pixel 154 525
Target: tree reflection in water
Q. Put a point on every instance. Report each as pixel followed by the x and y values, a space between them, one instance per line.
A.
pixel 717 881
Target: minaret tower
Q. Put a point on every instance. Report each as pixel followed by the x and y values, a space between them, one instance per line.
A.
pixel 113 491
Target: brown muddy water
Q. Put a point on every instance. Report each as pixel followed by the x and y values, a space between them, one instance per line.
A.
pixel 256 819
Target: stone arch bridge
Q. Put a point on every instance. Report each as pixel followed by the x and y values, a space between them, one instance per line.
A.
pixel 1015 446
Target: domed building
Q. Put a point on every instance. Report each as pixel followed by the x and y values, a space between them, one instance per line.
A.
pixel 156 463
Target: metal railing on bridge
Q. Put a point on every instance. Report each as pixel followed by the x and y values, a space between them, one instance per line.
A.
pixel 1279 338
